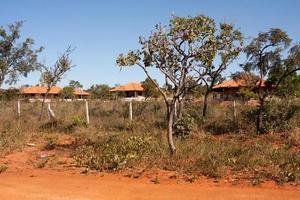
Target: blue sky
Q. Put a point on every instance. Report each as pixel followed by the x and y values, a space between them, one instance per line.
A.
pixel 100 30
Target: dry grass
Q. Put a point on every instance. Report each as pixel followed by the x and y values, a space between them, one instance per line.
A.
pixel 220 146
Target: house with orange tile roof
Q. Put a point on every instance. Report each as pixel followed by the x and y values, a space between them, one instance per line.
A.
pixel 129 90
pixel 229 89
pixel 81 93
pixel 36 92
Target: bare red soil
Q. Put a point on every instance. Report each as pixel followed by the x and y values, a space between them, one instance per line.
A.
pixel 24 181
pixel 54 185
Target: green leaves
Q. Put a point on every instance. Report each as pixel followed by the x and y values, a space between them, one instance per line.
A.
pixel 128 60
pixel 185 50
pixel 52 75
pixel 67 92
pixel 265 55
pixel 192 29
pixel 16 59
pixel 150 88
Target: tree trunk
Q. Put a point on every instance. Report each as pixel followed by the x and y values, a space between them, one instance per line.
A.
pixel 259 117
pixel 170 116
pixel 1 81
pixel 180 109
pixel 51 113
pixel 43 106
pixel 205 103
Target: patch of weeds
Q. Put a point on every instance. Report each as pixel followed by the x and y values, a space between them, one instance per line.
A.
pixel 50 143
pixel 256 180
pixel 41 164
pixel 184 126
pixel 85 171
pixel 156 180
pixel 76 121
pixel 3 168
pixel 113 152
pixel 286 164
pixel 52 125
pixel 191 178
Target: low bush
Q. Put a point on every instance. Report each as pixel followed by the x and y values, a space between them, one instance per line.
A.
pixel 184 126
pixel 278 115
pixel 115 152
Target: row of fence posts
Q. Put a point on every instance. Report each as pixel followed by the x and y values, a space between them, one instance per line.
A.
pixel 51 114
pixel 87 116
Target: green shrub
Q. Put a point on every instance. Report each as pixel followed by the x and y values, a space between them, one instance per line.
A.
pixel 184 126
pixel 3 168
pixel 247 94
pixel 286 164
pixel 50 142
pixel 278 115
pixel 114 152
pixel 52 125
pixel 76 121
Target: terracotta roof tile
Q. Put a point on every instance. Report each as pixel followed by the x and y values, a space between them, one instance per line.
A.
pixel 81 92
pixel 53 90
pixel 40 90
pixel 236 83
pixel 128 87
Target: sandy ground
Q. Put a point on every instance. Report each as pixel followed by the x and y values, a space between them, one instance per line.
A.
pixel 24 181
pixel 66 185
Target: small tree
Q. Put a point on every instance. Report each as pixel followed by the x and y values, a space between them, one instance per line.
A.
pixel 52 75
pixel 266 57
pixel 229 43
pixel 182 53
pixel 100 91
pixel 248 80
pixel 9 94
pixel 150 88
pixel 67 92
pixel 75 84
pixel 16 59
pixel 289 87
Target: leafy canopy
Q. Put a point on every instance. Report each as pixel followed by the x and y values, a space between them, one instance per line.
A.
pixel 100 91
pixel 16 59
pixel 270 56
pixel 75 84
pixel 150 88
pixel 52 75
pixel 184 52
pixel 67 92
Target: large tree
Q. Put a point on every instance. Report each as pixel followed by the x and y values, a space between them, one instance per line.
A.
pixel 272 58
pixel 182 52
pixel 16 58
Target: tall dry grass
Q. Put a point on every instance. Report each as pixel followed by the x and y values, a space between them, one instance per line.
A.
pixel 219 146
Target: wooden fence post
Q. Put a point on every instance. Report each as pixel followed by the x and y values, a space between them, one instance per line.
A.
pixel 130 110
pixel 234 110
pixel 87 112
pixel 50 112
pixel 19 109
pixel 175 109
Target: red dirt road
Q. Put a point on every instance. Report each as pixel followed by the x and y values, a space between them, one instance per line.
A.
pixel 68 185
